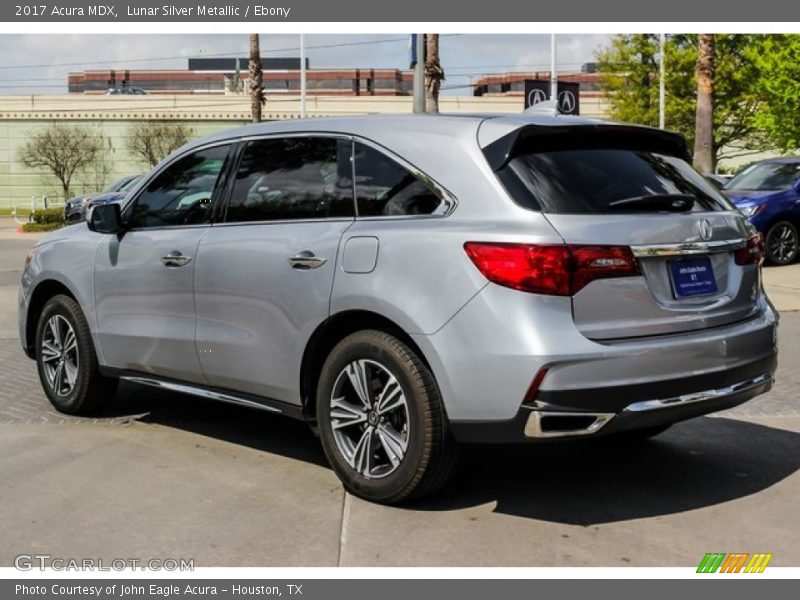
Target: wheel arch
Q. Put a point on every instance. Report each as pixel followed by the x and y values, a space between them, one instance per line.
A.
pixel 329 333
pixel 43 291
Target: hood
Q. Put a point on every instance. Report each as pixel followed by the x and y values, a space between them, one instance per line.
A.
pixel 744 197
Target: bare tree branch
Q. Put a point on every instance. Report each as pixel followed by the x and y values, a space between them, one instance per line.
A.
pixel 64 150
pixel 152 141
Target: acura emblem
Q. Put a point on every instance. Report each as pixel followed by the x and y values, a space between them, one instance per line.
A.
pixel 566 101
pixel 705 230
pixel 536 96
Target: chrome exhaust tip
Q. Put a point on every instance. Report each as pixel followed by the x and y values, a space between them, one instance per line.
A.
pixel 543 424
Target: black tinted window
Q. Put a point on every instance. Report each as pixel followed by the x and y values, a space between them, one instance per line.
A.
pixel 293 178
pixel 385 188
pixel 181 195
pixel 603 180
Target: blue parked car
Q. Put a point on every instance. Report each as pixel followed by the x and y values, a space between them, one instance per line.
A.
pixel 768 193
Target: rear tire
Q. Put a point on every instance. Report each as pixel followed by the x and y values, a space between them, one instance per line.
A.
pixel 781 243
pixel 382 421
pixel 67 362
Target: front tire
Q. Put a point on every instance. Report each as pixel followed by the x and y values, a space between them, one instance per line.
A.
pixel 381 420
pixel 781 243
pixel 67 362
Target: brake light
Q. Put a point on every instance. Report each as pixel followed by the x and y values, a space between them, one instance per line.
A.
pixel 753 252
pixel 558 270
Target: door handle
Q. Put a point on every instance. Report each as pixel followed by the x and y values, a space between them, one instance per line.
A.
pixel 306 260
pixel 175 259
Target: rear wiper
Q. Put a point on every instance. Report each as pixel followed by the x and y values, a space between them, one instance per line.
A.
pixel 672 202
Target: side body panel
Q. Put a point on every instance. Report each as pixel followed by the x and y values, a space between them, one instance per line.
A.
pixel 255 312
pixel 145 309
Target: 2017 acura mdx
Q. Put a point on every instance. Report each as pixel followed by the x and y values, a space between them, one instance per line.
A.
pixel 403 283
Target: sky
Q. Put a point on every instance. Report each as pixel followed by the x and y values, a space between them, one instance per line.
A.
pixel 38 64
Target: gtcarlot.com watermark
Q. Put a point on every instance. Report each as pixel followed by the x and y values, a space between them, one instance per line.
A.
pixel 30 562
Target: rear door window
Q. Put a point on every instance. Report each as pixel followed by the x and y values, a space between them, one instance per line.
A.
pixel 293 178
pixel 607 180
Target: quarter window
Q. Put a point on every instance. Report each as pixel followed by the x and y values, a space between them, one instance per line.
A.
pixel 385 188
pixel 182 193
pixel 293 178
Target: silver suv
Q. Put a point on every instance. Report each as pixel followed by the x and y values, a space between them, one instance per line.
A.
pixel 404 283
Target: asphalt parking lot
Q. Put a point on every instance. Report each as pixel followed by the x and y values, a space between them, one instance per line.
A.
pixel 161 475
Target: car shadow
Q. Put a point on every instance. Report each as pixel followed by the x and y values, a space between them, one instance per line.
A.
pixel 256 429
pixel 695 464
pixel 698 463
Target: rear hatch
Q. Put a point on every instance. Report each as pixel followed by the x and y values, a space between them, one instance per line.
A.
pixel 632 188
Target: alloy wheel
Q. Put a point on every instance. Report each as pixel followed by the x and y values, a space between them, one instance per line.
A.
pixel 60 355
pixel 369 418
pixel 782 243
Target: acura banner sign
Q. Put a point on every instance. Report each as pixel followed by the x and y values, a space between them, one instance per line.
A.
pixel 538 90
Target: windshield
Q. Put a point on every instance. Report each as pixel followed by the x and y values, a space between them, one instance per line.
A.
pixel 766 176
pixel 606 180
pixel 129 185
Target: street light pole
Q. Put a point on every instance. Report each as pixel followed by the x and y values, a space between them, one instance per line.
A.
pixel 302 75
pixel 553 74
pixel 662 43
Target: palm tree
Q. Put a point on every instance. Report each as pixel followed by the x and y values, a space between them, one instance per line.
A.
pixel 256 79
pixel 434 74
pixel 704 118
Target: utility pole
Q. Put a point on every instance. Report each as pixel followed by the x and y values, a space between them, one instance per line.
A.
pixel 302 75
pixel 553 73
pixel 256 79
pixel 419 74
pixel 434 74
pixel 662 43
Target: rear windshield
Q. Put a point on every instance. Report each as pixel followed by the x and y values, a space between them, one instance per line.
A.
pixel 607 180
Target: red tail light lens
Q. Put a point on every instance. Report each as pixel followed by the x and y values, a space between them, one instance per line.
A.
pixel 561 270
pixel 533 390
pixel 753 252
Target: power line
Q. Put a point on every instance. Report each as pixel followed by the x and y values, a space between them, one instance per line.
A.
pixel 215 55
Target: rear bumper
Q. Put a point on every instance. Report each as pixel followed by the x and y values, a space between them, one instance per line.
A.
pixel 487 356
pixel 608 414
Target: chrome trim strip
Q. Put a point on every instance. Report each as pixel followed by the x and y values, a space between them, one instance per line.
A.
pixel 742 386
pixel 186 388
pixel 687 248
pixel 533 426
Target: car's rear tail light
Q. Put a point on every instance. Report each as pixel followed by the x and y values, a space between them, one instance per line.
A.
pixel 558 270
pixel 753 252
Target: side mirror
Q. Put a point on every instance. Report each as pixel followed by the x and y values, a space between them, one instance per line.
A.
pixel 105 218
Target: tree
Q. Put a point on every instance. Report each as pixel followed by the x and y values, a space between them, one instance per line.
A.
pixel 434 73
pixel 777 85
pixel 629 75
pixel 704 155
pixel 64 150
pixel 152 141
pixel 256 79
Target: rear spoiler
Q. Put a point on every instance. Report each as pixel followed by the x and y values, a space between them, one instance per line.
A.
pixel 541 138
